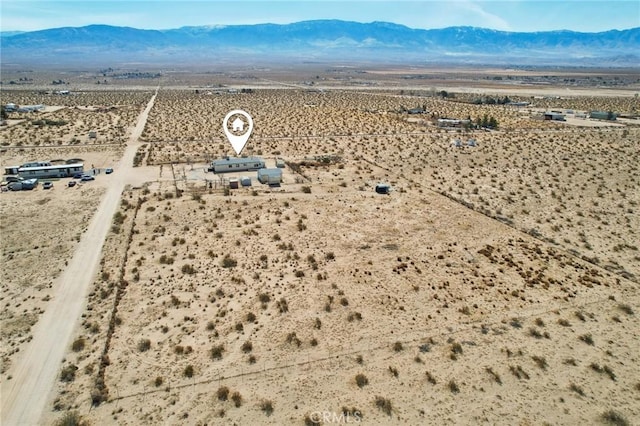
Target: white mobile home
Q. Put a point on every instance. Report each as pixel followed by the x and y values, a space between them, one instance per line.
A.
pixel 230 164
pixel 56 171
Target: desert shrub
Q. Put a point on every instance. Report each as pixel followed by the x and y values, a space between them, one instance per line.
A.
pixel 587 338
pixel 361 380
pixel 519 372
pixel 306 189
pixel 496 376
pixel 267 407
pixel 293 338
pixel 282 305
pixel 71 418
pixel 533 332
pixel 311 421
pixel 229 262
pixel 430 378
pixel 614 418
pixel 216 351
pixel 237 399
pixel 626 309
pixel 540 361
pixel 453 386
pixel 188 269
pixel 397 346
pixel 158 381
pixel 577 389
pixel 78 344
pixel 144 345
pixel 188 371
pixel 604 369
pixel 264 298
pixel 251 317
pixel 384 404
pixel 68 373
pixel 247 346
pixel 222 393
pixel 394 371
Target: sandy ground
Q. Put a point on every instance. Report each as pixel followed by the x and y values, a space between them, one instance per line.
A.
pixel 496 284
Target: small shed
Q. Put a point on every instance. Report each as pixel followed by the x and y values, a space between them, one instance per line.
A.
pixel 270 176
pixel 233 183
pixel 280 163
pixel 245 181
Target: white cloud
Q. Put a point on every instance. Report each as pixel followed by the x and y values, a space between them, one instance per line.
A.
pixel 478 14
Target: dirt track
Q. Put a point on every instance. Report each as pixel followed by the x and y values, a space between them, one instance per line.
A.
pixel 26 395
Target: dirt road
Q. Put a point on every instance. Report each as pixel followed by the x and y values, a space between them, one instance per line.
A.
pixel 28 393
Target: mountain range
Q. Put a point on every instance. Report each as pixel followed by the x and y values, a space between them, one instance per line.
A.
pixel 320 40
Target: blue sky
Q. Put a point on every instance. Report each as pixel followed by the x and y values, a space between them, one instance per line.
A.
pixel 509 15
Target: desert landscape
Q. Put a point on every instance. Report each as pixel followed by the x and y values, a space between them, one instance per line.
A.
pixel 497 282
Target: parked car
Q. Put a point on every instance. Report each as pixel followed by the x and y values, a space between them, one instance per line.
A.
pixel 109 171
pixel 78 176
pixel 85 178
pixel 47 185
pixel 71 183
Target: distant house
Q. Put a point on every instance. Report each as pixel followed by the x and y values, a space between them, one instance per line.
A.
pixel 231 164
pixel 416 110
pixel 518 104
pixel 30 108
pixel 603 115
pixel 452 122
pixel 553 115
